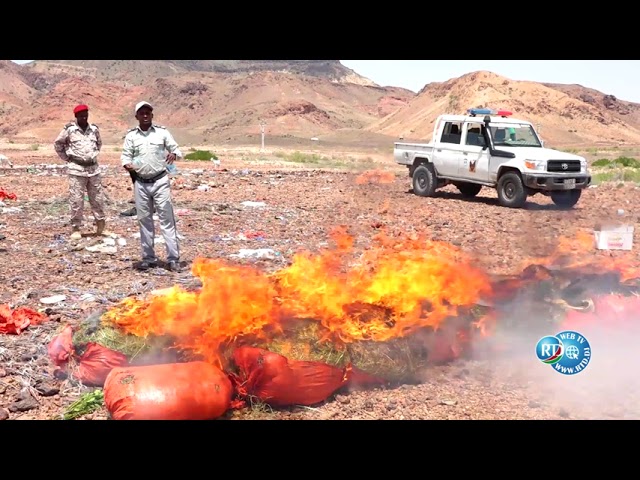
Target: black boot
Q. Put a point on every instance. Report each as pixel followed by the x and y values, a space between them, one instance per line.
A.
pixel 132 212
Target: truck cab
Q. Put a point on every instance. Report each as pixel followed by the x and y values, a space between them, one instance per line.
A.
pixel 489 148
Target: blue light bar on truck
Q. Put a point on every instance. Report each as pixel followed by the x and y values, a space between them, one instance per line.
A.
pixel 481 111
pixel 488 111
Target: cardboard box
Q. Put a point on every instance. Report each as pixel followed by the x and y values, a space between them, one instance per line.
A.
pixel 614 237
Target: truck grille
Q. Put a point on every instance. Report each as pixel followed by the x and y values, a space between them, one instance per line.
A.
pixel 563 166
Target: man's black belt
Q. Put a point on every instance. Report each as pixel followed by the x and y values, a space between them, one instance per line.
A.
pixel 152 179
pixel 83 163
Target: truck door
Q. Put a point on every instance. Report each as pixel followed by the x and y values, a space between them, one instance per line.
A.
pixel 474 161
pixel 448 149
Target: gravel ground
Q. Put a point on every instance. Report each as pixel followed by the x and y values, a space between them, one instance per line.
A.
pixel 38 259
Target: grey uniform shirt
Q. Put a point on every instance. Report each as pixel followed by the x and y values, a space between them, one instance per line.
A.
pixel 147 151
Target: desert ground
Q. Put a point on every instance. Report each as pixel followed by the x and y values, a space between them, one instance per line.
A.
pixel 301 202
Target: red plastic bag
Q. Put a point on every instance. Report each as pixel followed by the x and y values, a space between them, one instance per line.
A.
pixel 96 362
pixel 608 311
pixel 18 320
pixel 60 347
pixel 7 196
pixel 171 391
pixel 275 380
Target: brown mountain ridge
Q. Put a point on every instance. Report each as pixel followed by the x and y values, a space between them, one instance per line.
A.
pixel 224 102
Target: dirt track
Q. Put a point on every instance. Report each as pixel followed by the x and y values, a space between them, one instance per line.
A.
pixel 37 259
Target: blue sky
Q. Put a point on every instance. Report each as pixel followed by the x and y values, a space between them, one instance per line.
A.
pixel 613 77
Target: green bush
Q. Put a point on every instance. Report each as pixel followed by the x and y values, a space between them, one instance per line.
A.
pixel 619 162
pixel 201 155
pixel 627 162
pixel 602 162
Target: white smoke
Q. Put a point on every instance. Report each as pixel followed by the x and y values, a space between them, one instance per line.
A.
pixel 609 386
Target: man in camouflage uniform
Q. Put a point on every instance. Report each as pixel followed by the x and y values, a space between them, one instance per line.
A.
pixel 144 156
pixel 79 144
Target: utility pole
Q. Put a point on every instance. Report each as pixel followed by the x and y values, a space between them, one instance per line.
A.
pixel 262 125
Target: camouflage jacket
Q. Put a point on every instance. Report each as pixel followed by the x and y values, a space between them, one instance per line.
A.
pixel 79 148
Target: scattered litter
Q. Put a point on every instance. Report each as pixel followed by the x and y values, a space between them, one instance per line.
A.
pixel 157 238
pixel 102 248
pixel 53 299
pixel 614 237
pixel 254 235
pixel 255 253
pixel 203 188
pixel 5 160
pixel 121 241
pixel 254 204
pixel 11 210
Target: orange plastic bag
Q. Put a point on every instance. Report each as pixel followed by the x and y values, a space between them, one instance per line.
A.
pixel 16 321
pixel 96 362
pixel 173 391
pixel 275 380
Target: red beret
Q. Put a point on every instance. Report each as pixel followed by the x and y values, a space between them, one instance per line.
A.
pixel 80 108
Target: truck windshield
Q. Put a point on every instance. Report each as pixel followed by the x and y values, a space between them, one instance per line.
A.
pixel 514 135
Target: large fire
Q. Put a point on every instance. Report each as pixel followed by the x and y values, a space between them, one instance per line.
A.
pixel 396 287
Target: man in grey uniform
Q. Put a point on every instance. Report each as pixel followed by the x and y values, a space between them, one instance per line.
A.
pixel 144 156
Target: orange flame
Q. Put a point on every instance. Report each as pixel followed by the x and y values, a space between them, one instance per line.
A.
pixel 233 301
pixel 394 288
pixel 414 283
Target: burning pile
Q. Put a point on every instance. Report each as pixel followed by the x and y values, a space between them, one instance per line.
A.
pixel 328 307
pixel 335 319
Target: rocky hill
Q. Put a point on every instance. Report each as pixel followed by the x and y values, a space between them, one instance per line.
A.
pixel 136 72
pixel 225 102
pixel 203 101
pixel 564 114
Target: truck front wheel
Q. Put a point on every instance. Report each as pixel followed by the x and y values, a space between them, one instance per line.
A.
pixel 511 191
pixel 424 180
pixel 567 198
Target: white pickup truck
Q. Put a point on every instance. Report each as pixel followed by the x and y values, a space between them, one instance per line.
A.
pixel 489 148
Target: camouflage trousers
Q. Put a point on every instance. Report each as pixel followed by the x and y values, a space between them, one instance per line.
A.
pixel 78 185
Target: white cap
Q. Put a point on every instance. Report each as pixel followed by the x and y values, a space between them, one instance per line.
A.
pixel 139 105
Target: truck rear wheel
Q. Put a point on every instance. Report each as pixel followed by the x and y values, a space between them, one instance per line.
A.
pixel 566 198
pixel 511 192
pixel 424 180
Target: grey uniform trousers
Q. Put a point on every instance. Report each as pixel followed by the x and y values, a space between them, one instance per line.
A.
pixel 158 194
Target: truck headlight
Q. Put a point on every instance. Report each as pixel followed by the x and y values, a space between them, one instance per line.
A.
pixel 535 164
pixel 583 166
